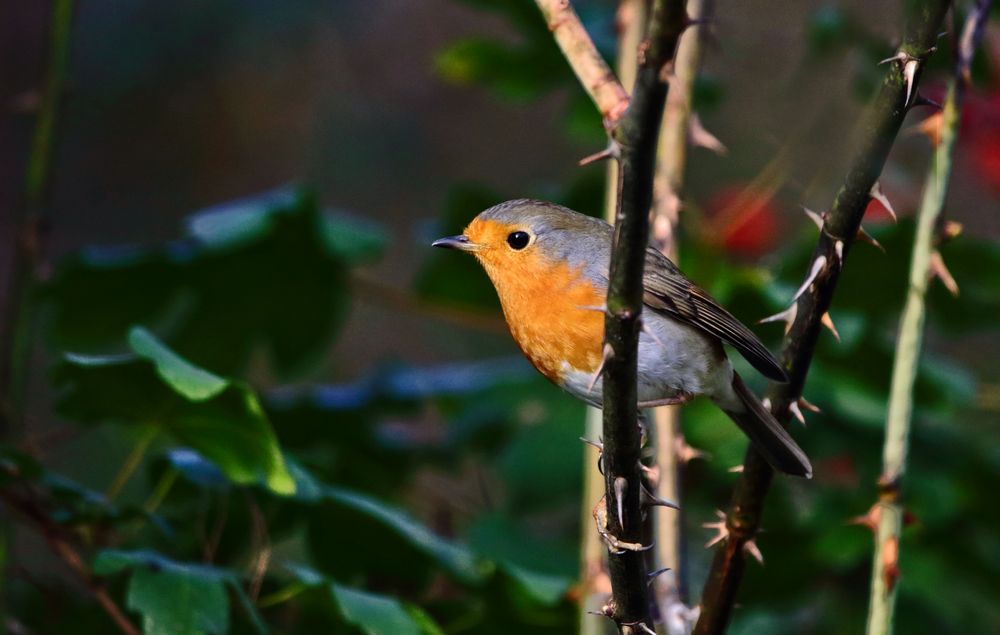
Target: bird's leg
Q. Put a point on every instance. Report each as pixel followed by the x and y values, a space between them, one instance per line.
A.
pixel 615 546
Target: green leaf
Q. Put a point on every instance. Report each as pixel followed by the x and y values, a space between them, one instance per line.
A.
pixel 454 558
pixel 187 379
pixel 220 418
pixel 174 598
pixel 374 614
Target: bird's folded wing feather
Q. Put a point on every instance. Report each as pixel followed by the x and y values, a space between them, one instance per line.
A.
pixel 668 291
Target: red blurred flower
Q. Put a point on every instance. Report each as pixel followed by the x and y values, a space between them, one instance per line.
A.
pixel 744 220
pixel 980 135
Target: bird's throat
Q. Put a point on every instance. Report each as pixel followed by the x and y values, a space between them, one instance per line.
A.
pixel 553 311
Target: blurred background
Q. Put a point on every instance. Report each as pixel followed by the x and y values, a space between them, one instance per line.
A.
pixel 252 187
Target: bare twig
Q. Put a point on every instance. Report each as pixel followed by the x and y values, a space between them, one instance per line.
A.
pixel 31 231
pixel 33 512
pixel 880 127
pixel 593 72
pixel 889 509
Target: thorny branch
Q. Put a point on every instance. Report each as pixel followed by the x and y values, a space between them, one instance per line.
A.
pixel 636 135
pixel 840 227
pixel 886 516
pixel 631 19
pixel 634 127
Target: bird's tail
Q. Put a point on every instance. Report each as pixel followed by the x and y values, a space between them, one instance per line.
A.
pixel 766 434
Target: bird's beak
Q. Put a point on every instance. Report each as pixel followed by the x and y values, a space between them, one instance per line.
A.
pixel 460 242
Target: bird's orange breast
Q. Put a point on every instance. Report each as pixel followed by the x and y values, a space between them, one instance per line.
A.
pixel 552 310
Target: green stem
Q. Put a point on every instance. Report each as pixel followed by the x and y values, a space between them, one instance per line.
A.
pixel 282 595
pixel 160 491
pixel 879 129
pixel 132 461
pixel 885 569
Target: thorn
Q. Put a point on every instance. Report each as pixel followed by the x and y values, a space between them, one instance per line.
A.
pixel 667 209
pixel 621 485
pixel 736 469
pixel 877 194
pixel 685 452
pixel 951 230
pixel 869 519
pixel 600 451
pixel 890 562
pixel 646 629
pixel 898 57
pixel 908 65
pixel 920 100
pixel 652 473
pixel 699 137
pixel 818 265
pixel 592 307
pixel 910 75
pixel 652 575
pixel 815 217
pixel 607 610
pixel 838 248
pixel 613 151
pixel 650 499
pixel 766 402
pixel 793 408
pixel 865 237
pixel 937 269
pixel 722 531
pixel 827 321
pixel 751 549
pixel 930 127
pixel 811 407
pixel 787 316
pixel 608 354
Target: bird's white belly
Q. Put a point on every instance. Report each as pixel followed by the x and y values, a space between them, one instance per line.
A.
pixel 674 359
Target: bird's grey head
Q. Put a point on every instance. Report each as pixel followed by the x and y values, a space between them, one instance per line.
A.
pixel 528 225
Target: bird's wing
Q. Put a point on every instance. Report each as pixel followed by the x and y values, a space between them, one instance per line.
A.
pixel 668 291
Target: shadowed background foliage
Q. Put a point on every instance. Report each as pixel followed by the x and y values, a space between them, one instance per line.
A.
pixel 331 430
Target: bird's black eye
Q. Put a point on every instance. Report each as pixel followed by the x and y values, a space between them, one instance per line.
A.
pixel 518 240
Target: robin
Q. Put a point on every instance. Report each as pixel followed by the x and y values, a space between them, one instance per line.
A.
pixel 550 264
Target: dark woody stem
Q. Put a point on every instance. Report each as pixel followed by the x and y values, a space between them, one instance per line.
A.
pixel 880 126
pixel 636 135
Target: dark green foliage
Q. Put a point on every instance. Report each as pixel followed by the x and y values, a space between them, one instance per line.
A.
pixel 267 271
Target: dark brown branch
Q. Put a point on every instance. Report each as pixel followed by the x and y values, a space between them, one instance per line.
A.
pixel 880 127
pixel 636 134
